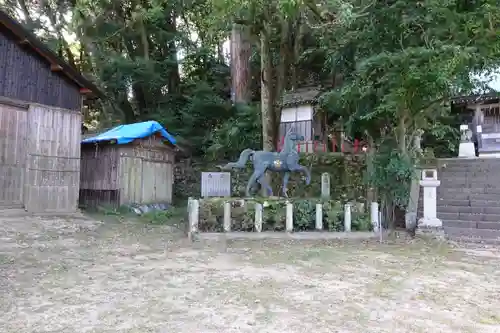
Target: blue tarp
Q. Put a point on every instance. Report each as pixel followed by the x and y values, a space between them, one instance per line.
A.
pixel 127 133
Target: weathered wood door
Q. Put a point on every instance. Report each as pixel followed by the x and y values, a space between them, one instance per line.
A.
pixel 53 162
pixel 13 131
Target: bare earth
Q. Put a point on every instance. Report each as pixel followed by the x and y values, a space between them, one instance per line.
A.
pixel 78 275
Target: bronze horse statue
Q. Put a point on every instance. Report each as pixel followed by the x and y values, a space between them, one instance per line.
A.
pixel 285 161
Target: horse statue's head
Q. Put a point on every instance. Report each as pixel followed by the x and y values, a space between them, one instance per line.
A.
pixel 292 135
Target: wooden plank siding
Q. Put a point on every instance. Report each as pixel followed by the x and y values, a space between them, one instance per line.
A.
pixel 147 174
pixel 13 128
pixel 53 166
pixel 99 165
pixel 25 76
pixel 140 172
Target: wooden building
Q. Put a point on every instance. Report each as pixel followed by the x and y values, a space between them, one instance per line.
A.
pixel 40 103
pixel 129 164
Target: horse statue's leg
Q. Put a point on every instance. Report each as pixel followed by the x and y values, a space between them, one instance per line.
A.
pixel 262 181
pixel 302 169
pixel 286 177
pixel 255 175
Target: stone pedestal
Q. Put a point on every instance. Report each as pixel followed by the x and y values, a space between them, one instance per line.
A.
pixel 466 147
pixel 429 221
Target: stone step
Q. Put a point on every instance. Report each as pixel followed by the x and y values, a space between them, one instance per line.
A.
pixel 447 162
pixel 451 183
pixel 469 164
pixel 468 167
pixel 464 174
pixel 468 190
pixel 471 224
pixel 469 217
pixel 472 233
pixel 468 210
pixel 467 203
pixel 482 176
pixel 466 196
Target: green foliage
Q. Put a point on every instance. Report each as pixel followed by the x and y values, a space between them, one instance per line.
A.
pixel 392 174
pixel 346 178
pixel 402 61
pixel 241 131
pixel 333 216
pixel 304 212
pixel 361 222
pixel 172 216
pixel 274 215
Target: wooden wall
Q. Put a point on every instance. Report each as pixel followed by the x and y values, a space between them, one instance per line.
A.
pixel 146 172
pixel 53 161
pixel 140 172
pixel 99 167
pixel 25 76
pixel 13 153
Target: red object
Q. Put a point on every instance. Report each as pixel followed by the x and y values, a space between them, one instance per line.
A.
pixel 315 146
pixel 356 146
pixel 307 146
pixel 334 146
pixel 298 147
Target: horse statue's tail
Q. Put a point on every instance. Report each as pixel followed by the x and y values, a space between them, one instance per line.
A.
pixel 242 161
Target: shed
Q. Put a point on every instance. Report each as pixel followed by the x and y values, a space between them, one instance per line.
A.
pixel 128 164
pixel 41 99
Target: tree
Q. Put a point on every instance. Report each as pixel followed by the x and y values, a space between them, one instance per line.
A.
pixel 401 62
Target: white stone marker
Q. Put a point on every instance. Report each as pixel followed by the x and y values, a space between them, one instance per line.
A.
pixel 227 216
pixel 466 146
pixel 319 216
pixel 374 215
pixel 193 216
pixel 289 216
pixel 325 185
pixel 258 217
pixel 347 217
pixel 430 182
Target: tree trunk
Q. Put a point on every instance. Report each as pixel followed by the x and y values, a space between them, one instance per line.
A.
pixel 266 98
pixel 401 136
pixel 281 76
pixel 174 79
pixel 241 50
pixel 297 49
pixel 266 95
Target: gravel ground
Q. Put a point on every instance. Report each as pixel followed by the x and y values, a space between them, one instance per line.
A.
pixel 80 275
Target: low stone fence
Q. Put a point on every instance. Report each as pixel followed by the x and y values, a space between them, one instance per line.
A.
pixel 259 207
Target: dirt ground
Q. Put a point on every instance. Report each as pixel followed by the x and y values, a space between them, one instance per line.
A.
pixel 78 275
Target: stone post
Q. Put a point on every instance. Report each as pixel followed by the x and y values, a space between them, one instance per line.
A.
pixel 319 216
pixel 258 217
pixel 347 217
pixel 325 186
pixel 289 216
pixel 227 216
pixel 430 183
pixel 193 216
pixel 374 216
